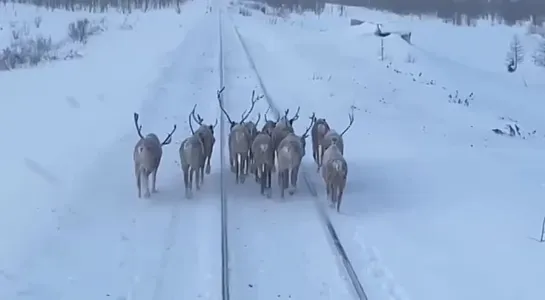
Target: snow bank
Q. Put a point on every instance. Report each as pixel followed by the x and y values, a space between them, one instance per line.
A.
pixel 56 118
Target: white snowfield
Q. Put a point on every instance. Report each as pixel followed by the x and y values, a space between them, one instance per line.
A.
pixel 437 206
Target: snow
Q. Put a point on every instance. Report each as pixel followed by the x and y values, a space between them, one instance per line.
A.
pixel 278 249
pixel 71 223
pixel 437 206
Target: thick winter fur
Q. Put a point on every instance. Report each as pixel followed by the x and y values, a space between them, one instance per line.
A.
pixel 263 163
pixel 252 133
pixel 290 152
pixel 334 174
pixel 192 155
pixel 269 124
pixel 239 141
pixel 332 136
pixel 239 147
pixel 268 127
pixel 318 132
pixel 147 158
pixel 147 155
pixel 206 134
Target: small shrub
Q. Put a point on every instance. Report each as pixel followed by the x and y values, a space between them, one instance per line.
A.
pixel 245 12
pixel 37 21
pixel 79 31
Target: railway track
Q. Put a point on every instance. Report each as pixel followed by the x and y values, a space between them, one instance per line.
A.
pixel 231 281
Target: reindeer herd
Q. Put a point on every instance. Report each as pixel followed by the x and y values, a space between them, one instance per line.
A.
pixel 276 148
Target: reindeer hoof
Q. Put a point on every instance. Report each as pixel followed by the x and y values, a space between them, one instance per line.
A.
pixel 268 193
pixel 147 194
pixel 207 170
pixel 292 191
pixel 188 194
pixel 154 191
pixel 242 179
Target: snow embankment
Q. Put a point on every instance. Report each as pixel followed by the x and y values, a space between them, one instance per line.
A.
pixel 57 117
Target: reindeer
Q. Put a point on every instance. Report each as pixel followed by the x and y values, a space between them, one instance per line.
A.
pixel 283 128
pixel 239 141
pixel 206 134
pixel 290 152
pixel 252 133
pixel 147 155
pixel 332 136
pixel 263 163
pixel 192 158
pixel 269 124
pixel 334 173
pixel 319 130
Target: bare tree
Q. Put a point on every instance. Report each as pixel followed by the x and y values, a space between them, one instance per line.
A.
pixel 515 55
pixel 539 55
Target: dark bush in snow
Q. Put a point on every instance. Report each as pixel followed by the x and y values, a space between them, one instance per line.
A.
pixel 26 51
pixel 79 31
pixel 244 11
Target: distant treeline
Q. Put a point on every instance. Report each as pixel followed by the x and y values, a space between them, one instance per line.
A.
pixel 457 11
pixel 101 5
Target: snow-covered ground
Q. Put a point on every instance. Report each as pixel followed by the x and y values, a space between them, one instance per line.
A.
pixel 437 205
pixel 70 222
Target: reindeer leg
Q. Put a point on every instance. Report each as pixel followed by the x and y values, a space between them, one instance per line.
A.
pixel 281 182
pixel 341 191
pixel 198 174
pixel 273 167
pixel 319 157
pixel 262 179
pixel 243 168
pixel 232 163
pixel 237 170
pixel 147 193
pixel 139 183
pixel 208 164
pixel 201 173
pixel 186 182
pixel 293 180
pixel 268 175
pixel 153 181
pixel 190 189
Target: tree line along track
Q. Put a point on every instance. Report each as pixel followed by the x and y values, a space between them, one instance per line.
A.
pixel 330 231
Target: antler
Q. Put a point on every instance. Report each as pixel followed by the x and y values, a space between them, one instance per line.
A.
pixel 258 119
pixel 216 124
pixel 268 108
pixel 189 117
pixel 168 139
pixel 254 100
pixel 197 118
pixel 296 116
pixel 351 118
pixel 312 118
pixel 221 106
pixel 138 127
